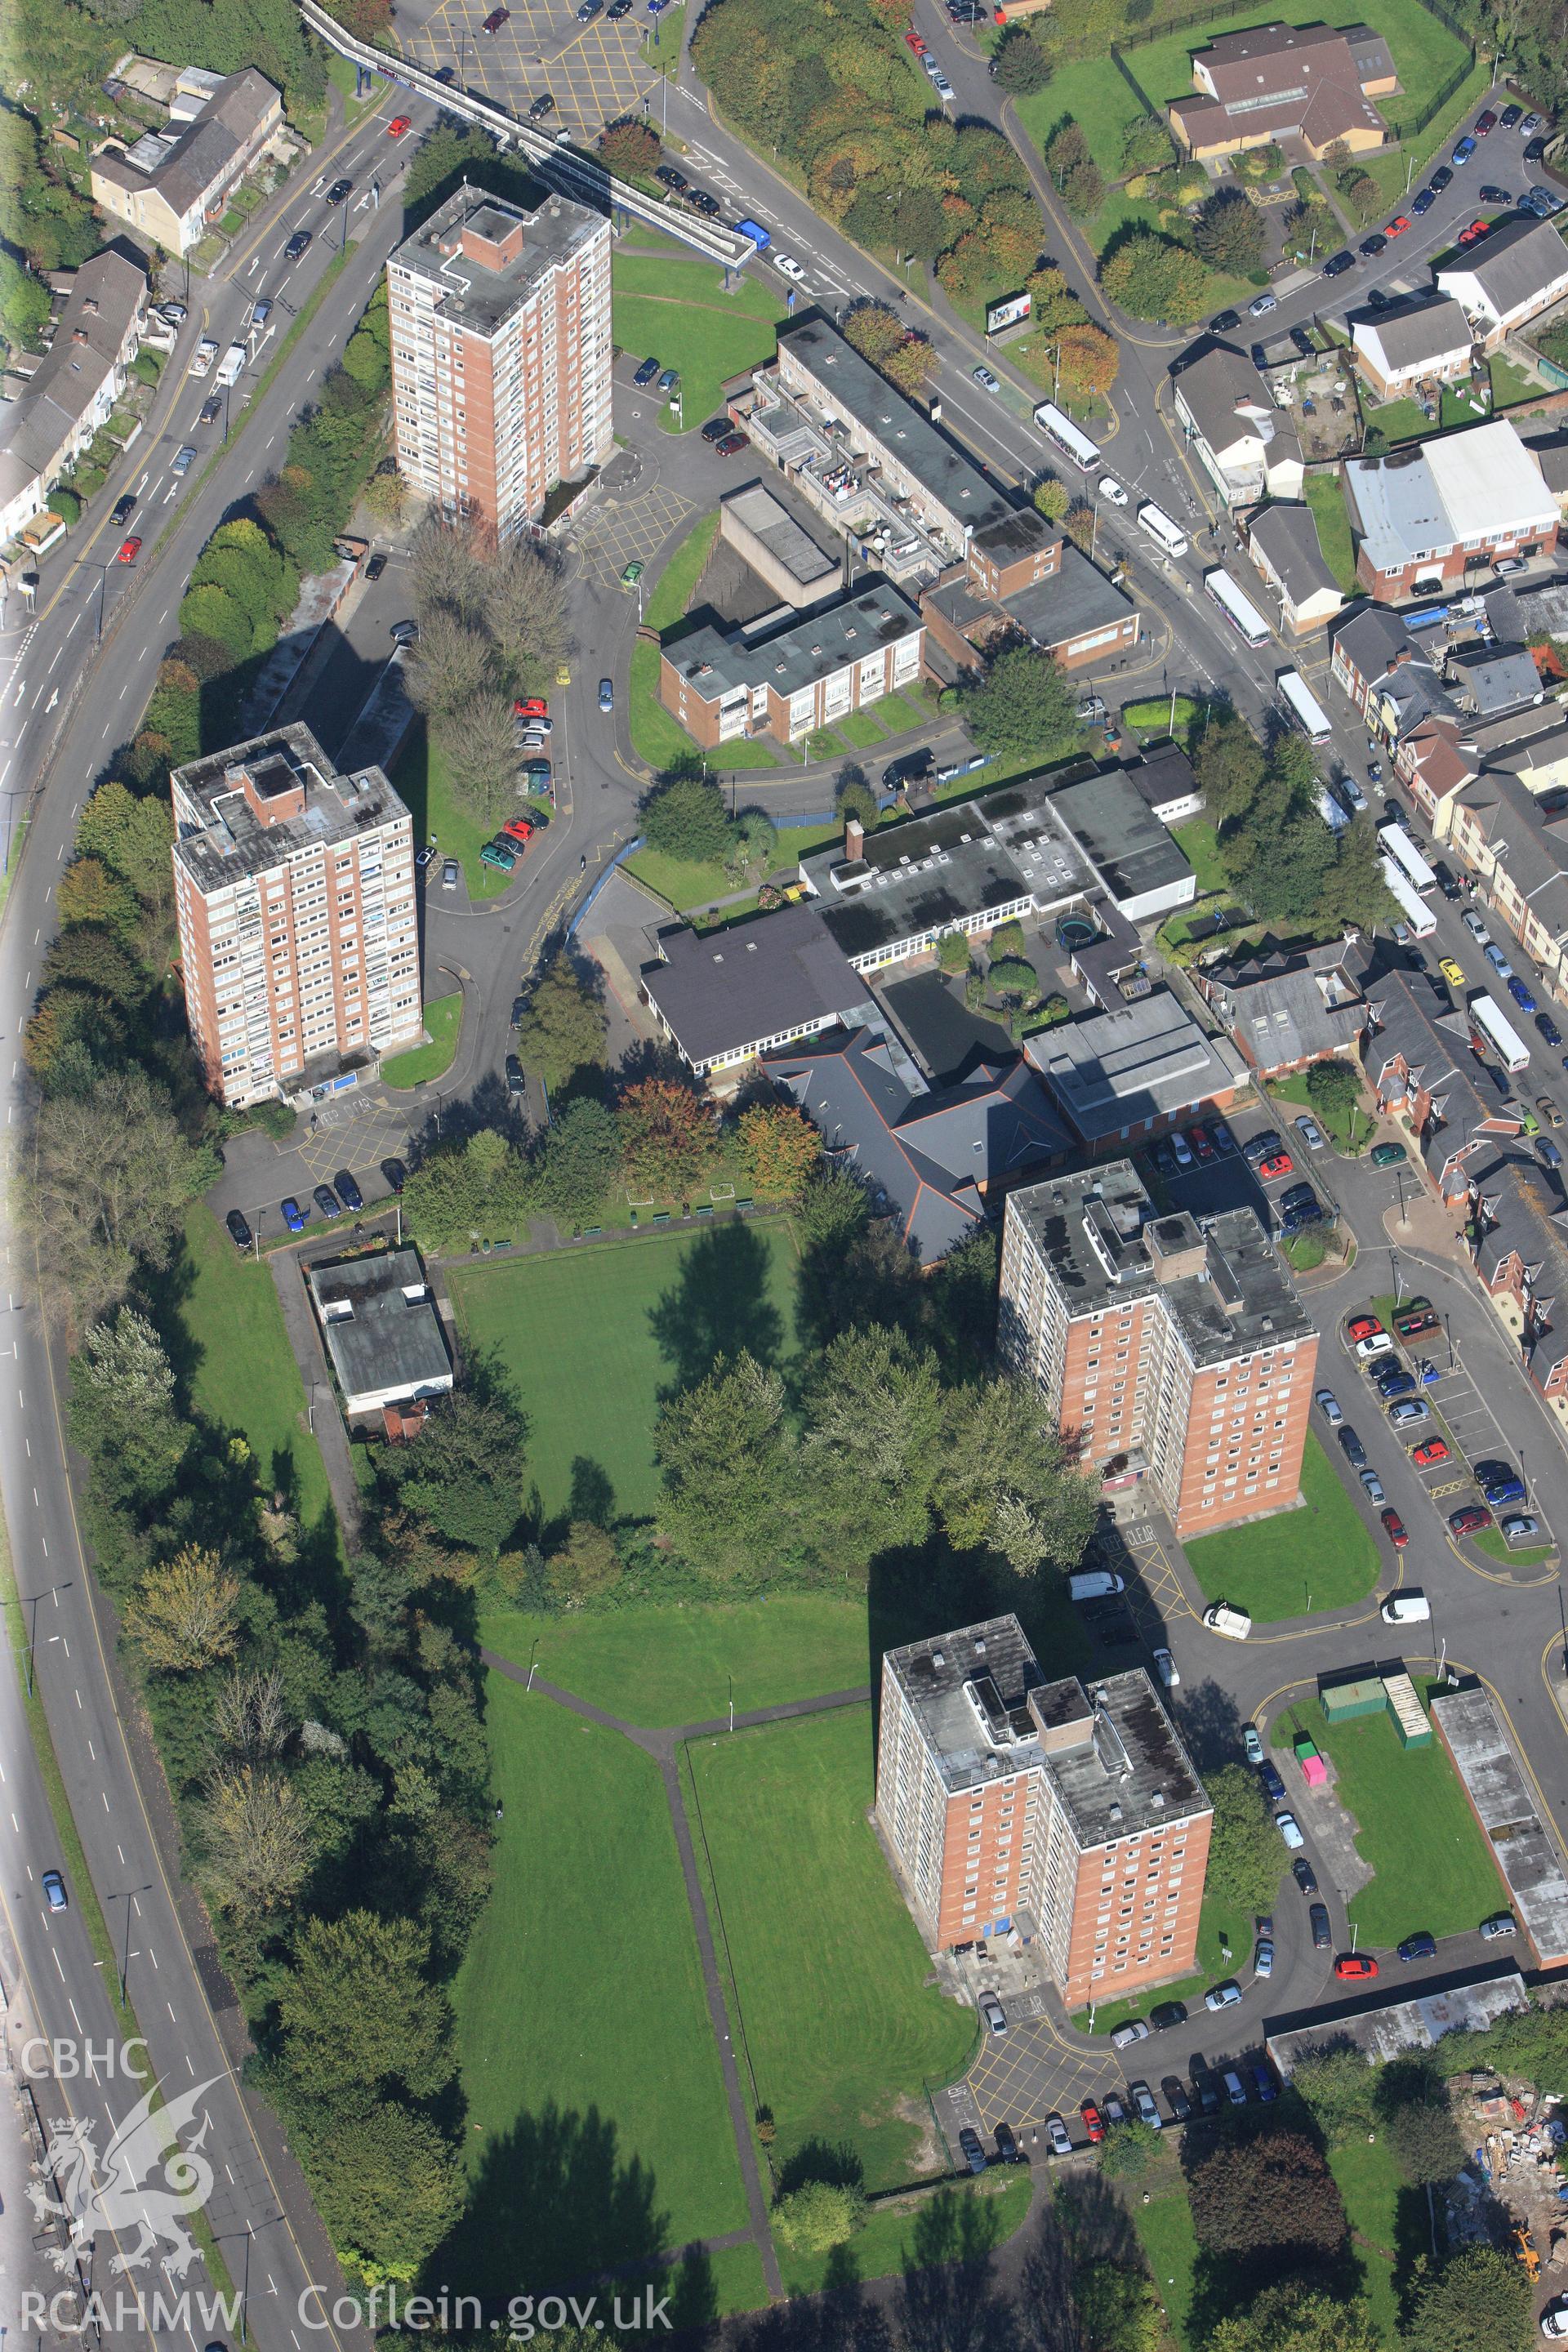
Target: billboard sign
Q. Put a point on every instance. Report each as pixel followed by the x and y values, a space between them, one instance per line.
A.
pixel 1006 313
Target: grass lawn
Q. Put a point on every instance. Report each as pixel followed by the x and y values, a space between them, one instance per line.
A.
pixel 439 816
pixel 1368 2180
pixel 1415 1827
pixel 1326 497
pixel 664 49
pixel 588 1337
pixel 1320 1557
pixel 668 1667
pixel 676 307
pixel 972 2220
pixel 1155 723
pixel 685 884
pixel 587 2057
pixel 1351 1130
pixel 242 1370
pixel 1199 847
pixel 1527 1556
pixel 834 2019
pixel 1170 2244
pixel 443 1019
pixel 862 728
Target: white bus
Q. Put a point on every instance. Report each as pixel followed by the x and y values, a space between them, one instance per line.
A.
pixel 1161 530
pixel 1408 858
pixel 1499 1035
pixel 1413 912
pixel 1059 428
pixel 1245 619
pixel 1333 815
pixel 1302 707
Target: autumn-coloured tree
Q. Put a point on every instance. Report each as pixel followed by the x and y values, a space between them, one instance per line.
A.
pixel 89 893
pixel 781 1149
pixel 183 1615
pixel 630 146
pixel 257 1838
pixel 1088 359
pixel 668 1139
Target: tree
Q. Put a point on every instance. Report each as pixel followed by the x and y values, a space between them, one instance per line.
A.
pixel 130 837
pixel 124 1415
pixel 1229 233
pixel 1083 189
pixel 480 751
pixel 953 951
pixel 89 893
pixel 1019 64
pixel 1118 2310
pixel 1355 896
pixel 1244 1846
pixel 184 1615
pixel 1477 2301
pixel 1334 1088
pixel 723 1448
pixel 1145 145
pixel 24 304
pixel 386 497
pixel 388 2184
pixel 564 1026
pixel 1066 148
pixel 1297 2317
pixel 1079 524
pixel 669 1140
pixel 580 1162
pixel 445 558
pixel 1051 497
pixel 1361 195
pixel 1339 2090
pixel 855 798
pixel 466 1473
pixel 359 2012
pixel 1007 941
pixel 1023 704
pixel 630 146
pixel 257 1840
pixel 823 2213
pixel 1003 1478
pixel 1413 2105
pixel 875 329
pixel 1269 2197
pixel 1228 764
pixel 1129 2150
pixel 587 1565
pixel 1152 276
pixel 873 1415
pixel 684 816
pixel 447 667
pixel 525 611
pixel 1088 359
pixel 780 1149
pixel 112 1179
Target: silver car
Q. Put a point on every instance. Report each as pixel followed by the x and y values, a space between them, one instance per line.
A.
pixel 1143 2100
pixel 992 2010
pixel 449 871
pixel 1056 2133
pixel 1329 1406
pixel 1135 2030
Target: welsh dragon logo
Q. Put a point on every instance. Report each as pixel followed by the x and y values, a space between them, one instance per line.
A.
pixel 147 2182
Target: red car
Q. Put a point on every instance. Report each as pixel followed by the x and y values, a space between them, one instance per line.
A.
pixel 1394 1528
pixel 532 705
pixel 399 125
pixel 129 552
pixel 1355 1964
pixel 1474 234
pixel 1279 1164
pixel 496 19
pixel 518 829
pixel 1200 1143
pixel 1433 1451
pixel 1485 123
pixel 1363 1327
pixel 916 43
pixel 1092 2123
pixel 1397 225
pixel 1469 1519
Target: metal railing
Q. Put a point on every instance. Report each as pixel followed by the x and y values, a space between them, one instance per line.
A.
pixel 583 180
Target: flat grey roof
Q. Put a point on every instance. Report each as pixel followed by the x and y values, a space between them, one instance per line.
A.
pixel 1144 1060
pixel 554 230
pixel 388 1339
pixel 1090 1225
pixel 1402 2023
pixel 1072 602
pixel 1119 835
pixel 780 533
pixel 233 842
pixel 714 663
pixel 1522 1845
pixel 724 990
pixel 853 387
pixel 929 872
pixel 970 1691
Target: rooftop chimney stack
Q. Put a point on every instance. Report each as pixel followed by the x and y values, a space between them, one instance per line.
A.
pixel 854 838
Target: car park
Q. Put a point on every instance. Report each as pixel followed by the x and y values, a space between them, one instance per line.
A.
pixel 1501 1924
pixel 1305 1877
pixel 1422 1947
pixel 1252 1743
pixel 1278 1164
pixel 1223 1995
pixel 1137 2029
pixel 239 1230
pixel 1289 1830
pixel 1431 1450
pixel 1148 2108
pixel 293 1215
pixel 1058 2135
pixel 1355 1964
pixel 992 2010
pixel 1469 1519
pixel 1406 1411
pixel 971 2150
pixel 1322 1931
pixel 1328 1404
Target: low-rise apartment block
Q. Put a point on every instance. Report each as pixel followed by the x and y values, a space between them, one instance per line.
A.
pixel 786 681
pixel 1066 1809
pixel 299 932
pixel 1183 1356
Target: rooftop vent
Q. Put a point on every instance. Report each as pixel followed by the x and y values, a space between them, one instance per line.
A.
pixel 1158 1800
pixel 1116 1812
pixel 938 1658
pixel 980 1645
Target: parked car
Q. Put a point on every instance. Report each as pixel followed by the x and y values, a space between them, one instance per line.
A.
pixel 327 1201
pixel 1407 1412
pixel 1352 1447
pixel 1422 1947
pixel 1235 2088
pixel 293 1215
pixel 1058 2135
pixel 1337 263
pixel 450 873
pixel 1263 1957
pixel 1274 1786
pixel 1520 1527
pixel 1264 2084
pixel 986 379
pixel 1355 1964
pixel 1322 1932
pixel 395 1174
pixel 1395 1528
pixel 970 2148
pixel 1251 1743
pixel 1148 2109
pixel 1520 993
pixel 1373 1485
pixel 1223 1995
pixel 1311 1133
pixel 1278 1164
pixel 1501 1925
pixel 992 2010
pixel 1328 1405
pixel 1391 1155
pixel 1176 2099
pixel 1289 1830
pixel 1167 2014
pixel 239 1230
pixel 348 1191
pixel 1305 1877
pixel 1261 1146
pixel 1093 2122
pixel 1166 1668
pixel 1469 1519
pixel 1431 1450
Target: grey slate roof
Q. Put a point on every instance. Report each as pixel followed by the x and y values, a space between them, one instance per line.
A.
pixel 724 990
pixel 1123 840
pixel 713 663
pixel 1288 534
pixel 1074 599
pixel 1515 263
pixel 105 294
pixel 1497 681
pixel 1418 332
pixel 927 1154
pixel 1289 1016
pixel 1437 1054
pixel 1210 387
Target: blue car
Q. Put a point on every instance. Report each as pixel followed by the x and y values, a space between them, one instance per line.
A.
pixel 1498 961
pixel 1268 2088
pixel 1270 1778
pixel 293 1215
pixel 1463 151
pixel 1520 994
pixel 1425 201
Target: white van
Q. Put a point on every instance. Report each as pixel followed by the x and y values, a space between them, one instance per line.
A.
pixel 1408 1608
pixel 1095 1584
pixel 1234 1623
